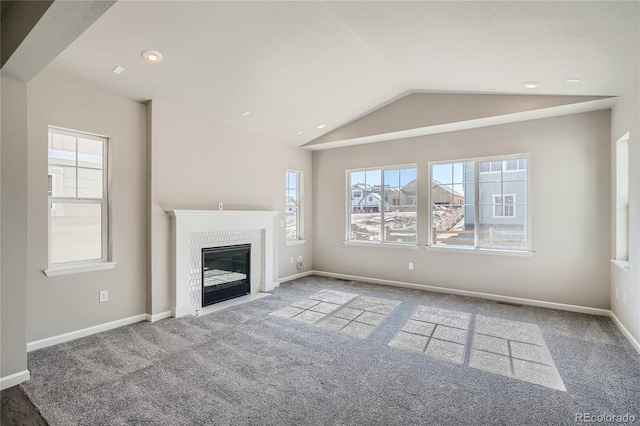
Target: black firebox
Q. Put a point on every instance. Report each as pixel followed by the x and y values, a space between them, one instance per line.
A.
pixel 225 273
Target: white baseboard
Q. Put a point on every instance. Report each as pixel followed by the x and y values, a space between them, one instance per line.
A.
pixel 623 329
pixel 296 276
pixel 14 379
pixel 508 299
pixel 66 337
pixel 157 317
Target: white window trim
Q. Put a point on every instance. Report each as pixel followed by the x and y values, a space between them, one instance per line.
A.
pixel 77 267
pixel 347 232
pixel 528 252
pixel 299 210
pixel 622 214
pixel 513 205
pixel 103 263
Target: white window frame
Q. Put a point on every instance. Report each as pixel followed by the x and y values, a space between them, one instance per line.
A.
pixel 62 268
pixel 349 196
pixel 622 218
pixel 299 208
pixel 528 251
pixel 502 204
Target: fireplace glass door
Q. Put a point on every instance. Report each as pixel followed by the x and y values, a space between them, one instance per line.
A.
pixel 225 273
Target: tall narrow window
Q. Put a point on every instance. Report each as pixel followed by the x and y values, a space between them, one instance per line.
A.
pixel 480 203
pixel 78 209
pixel 382 205
pixel 293 205
pixel 622 198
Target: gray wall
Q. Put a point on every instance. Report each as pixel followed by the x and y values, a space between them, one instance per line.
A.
pixel 198 161
pixel 571 191
pixel 13 228
pixel 625 117
pixel 61 304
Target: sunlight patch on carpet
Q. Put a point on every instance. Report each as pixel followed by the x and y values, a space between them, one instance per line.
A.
pixel 513 349
pixel 436 332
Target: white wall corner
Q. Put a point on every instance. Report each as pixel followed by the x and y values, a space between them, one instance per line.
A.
pixel 623 329
pixel 158 317
pixel 295 277
pixel 14 379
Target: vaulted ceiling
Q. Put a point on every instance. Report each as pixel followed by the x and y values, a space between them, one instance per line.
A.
pixel 295 65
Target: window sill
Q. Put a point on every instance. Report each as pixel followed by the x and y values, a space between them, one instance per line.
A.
pixel 294 242
pixel 76 269
pixel 621 264
pixel 410 246
pixel 475 250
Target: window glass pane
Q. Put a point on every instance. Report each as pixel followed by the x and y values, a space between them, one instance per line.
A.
pixel 76 232
pixel 453 225
pixel 458 176
pixel 522 164
pixel 292 197
pixel 90 168
pixel 62 164
pixel 510 165
pixel 292 222
pixel 292 210
pixel 400 205
pixel 442 173
pixel 366 205
pixel 503 236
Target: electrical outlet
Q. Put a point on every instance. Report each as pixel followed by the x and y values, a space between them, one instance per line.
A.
pixel 220 206
pixel 291 259
pixel 104 296
pixel 410 265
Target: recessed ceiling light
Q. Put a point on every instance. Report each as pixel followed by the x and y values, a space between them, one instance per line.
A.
pixel 321 126
pixel 573 80
pixel 152 56
pixel 247 112
pixel 118 70
pixel 299 133
pixel 530 85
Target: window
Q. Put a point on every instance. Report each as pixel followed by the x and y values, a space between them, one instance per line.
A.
pixel 293 205
pixel 480 203
pixel 382 205
pixel 503 205
pixel 622 199
pixel 78 206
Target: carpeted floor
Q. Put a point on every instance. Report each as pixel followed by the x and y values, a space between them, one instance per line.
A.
pixel 243 366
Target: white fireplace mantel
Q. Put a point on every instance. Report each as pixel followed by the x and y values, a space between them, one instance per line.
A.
pixel 187 224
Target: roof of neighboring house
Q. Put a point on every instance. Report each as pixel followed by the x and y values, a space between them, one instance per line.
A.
pixel 447 188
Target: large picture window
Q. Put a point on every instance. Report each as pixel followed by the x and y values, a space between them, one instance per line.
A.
pixel 480 203
pixel 382 205
pixel 77 187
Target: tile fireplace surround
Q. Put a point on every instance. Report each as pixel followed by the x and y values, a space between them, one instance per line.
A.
pixel 193 230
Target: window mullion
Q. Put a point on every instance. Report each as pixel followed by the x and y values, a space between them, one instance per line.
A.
pixel 77 171
pixel 383 206
pixel 476 197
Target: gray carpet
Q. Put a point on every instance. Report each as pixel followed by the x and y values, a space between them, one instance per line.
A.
pixel 243 366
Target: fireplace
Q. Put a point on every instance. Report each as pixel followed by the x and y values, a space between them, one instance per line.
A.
pixel 226 273
pixel 193 230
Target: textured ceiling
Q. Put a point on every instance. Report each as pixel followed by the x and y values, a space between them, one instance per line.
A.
pixel 297 64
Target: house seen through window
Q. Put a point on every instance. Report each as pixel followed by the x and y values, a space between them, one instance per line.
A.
pixel 480 203
pixel 382 204
pixel 77 197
